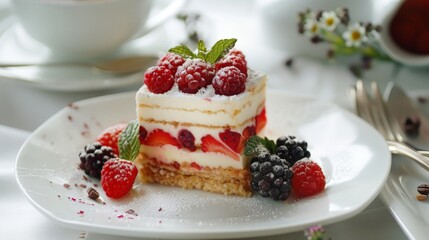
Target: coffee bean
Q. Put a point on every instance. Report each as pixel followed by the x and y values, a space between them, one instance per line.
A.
pixel 421 197
pixel 423 189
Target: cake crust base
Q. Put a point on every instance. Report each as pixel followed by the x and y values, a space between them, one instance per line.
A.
pixel 228 181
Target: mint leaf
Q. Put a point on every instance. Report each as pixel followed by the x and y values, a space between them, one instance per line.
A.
pixel 255 145
pixel 129 144
pixel 269 144
pixel 251 145
pixel 202 50
pixel 219 49
pixel 183 51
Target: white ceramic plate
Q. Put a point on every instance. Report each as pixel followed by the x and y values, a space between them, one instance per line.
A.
pixel 16 46
pixel 399 194
pixel 353 155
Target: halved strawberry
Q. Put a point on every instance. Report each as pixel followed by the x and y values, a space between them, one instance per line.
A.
pixel 210 144
pixel 247 133
pixel 196 166
pixel 231 138
pixel 261 120
pixel 160 138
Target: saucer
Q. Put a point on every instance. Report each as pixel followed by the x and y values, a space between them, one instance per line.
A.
pixel 16 46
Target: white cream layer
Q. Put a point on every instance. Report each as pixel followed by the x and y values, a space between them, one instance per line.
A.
pixel 171 154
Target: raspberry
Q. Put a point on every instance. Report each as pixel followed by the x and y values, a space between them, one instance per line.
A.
pixel 308 178
pixel 92 158
pixel 171 61
pixel 292 149
pixel 117 177
pixel 236 59
pixel 237 53
pixel 158 79
pixel 110 136
pixel 187 140
pixel 229 81
pixel 142 134
pixel 271 176
pixel 193 75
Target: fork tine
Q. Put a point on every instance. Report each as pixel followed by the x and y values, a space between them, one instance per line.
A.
pixel 362 102
pixel 396 130
pixel 381 114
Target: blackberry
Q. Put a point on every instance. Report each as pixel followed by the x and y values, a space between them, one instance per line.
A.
pixel 271 176
pixel 292 149
pixel 92 158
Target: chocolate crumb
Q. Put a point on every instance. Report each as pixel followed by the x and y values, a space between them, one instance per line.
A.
pixel 160 221
pixel 85 125
pixel 84 133
pixel 131 212
pixel 289 62
pixel 85 178
pixel 93 194
pixel 72 105
pixel 82 185
pixel 421 99
pixel 70 118
pixel 412 125
pixel 66 185
pixel 160 209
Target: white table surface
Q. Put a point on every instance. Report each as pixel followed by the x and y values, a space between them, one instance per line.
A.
pixel 25 108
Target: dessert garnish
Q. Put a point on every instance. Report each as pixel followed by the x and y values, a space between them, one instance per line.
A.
pixel 118 174
pixel 109 137
pixel 92 158
pixel 281 167
pixel 226 69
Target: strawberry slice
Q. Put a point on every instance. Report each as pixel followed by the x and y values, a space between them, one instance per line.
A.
pixel 231 138
pixel 210 144
pixel 160 138
pixel 247 133
pixel 261 121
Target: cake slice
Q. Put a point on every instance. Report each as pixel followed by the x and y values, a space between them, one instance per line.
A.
pixel 194 138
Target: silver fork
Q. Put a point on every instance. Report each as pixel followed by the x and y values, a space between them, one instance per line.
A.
pixel 373 110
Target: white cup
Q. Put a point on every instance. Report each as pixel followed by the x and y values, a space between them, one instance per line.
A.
pixel 88 28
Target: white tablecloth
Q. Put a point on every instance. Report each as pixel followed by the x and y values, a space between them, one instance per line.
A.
pixel 26 108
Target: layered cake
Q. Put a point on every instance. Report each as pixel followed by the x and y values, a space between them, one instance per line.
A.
pixel 199 114
pixel 193 130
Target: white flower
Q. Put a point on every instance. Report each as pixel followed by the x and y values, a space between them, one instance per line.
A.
pixel 329 21
pixel 355 35
pixel 311 27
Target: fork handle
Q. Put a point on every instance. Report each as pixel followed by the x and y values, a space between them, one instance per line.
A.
pixel 405 150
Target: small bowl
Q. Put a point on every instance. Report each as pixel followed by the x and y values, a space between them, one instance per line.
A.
pixel 384 16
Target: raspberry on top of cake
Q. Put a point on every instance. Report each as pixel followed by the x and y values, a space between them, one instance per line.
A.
pixel 196 110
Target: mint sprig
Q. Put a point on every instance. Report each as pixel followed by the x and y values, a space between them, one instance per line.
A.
pixel 256 145
pixel 183 51
pixel 129 144
pixel 218 51
pixel 202 49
